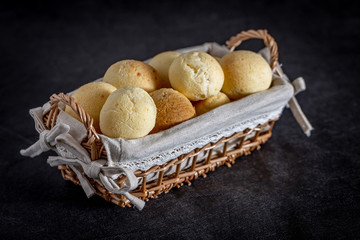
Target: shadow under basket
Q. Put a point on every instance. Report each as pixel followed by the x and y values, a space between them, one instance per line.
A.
pixel 213 155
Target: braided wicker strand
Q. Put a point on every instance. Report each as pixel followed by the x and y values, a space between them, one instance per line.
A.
pixel 86 119
pixel 269 42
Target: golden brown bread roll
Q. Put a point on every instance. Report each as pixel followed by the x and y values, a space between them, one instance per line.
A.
pixel 91 97
pixel 211 103
pixel 245 73
pixel 133 73
pixel 161 62
pixel 172 108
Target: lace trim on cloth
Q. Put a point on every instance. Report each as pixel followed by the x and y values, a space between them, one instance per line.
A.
pixel 161 158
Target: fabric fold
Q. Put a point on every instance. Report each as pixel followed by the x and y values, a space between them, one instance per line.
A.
pixel 57 136
pixel 107 175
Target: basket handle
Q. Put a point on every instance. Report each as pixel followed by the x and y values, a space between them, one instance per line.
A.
pixel 86 119
pixel 269 42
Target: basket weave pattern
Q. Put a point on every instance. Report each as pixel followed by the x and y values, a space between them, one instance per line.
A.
pixel 246 141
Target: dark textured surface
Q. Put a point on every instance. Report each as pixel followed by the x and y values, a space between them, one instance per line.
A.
pixel 294 187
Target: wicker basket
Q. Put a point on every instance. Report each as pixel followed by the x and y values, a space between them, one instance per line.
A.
pixel 163 184
pixel 242 144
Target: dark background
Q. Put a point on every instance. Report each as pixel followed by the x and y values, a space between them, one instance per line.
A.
pixel 293 188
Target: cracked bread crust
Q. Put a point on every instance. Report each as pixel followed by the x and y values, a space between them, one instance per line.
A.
pixel 197 75
pixel 129 113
